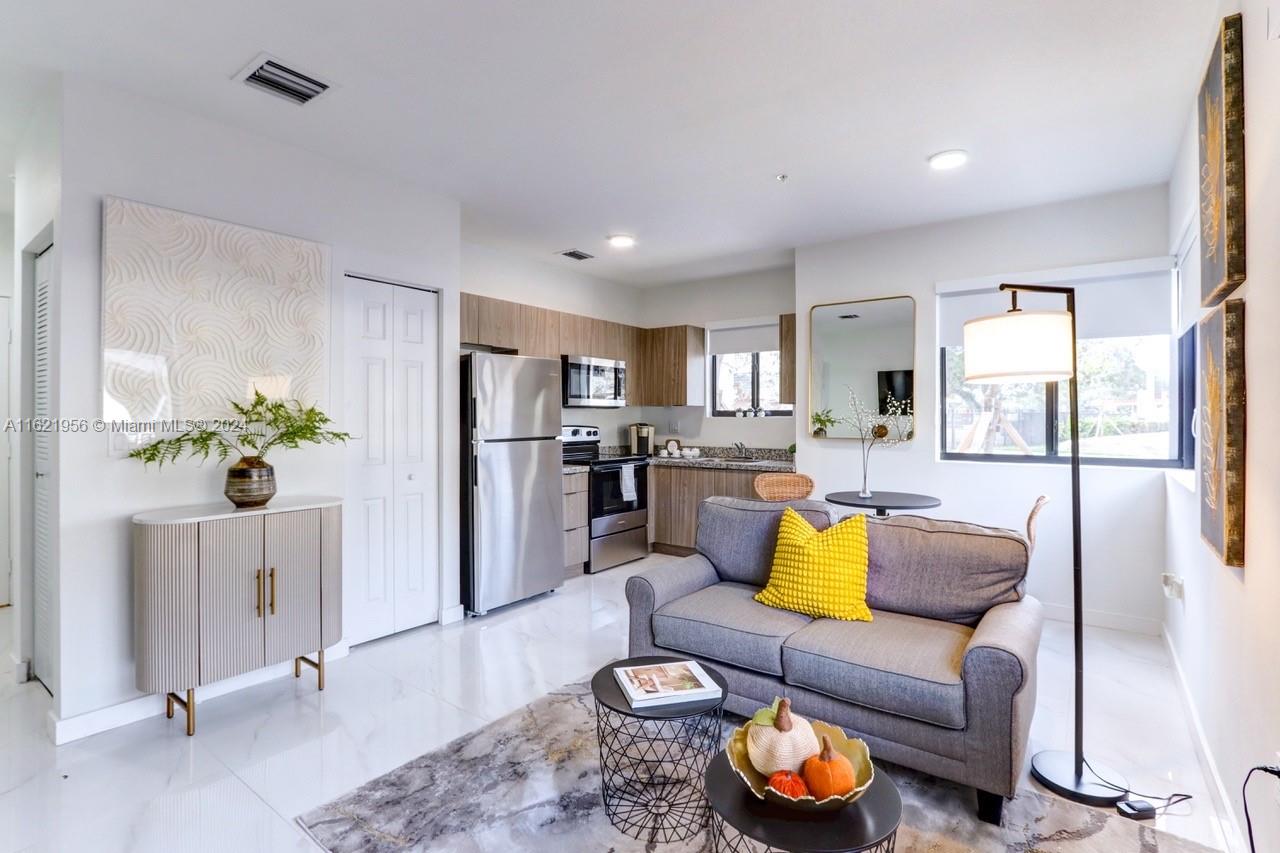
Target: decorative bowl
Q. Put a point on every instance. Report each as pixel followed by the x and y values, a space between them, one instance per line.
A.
pixel 853 749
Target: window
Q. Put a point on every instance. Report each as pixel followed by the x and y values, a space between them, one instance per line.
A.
pixel 1131 370
pixel 746 380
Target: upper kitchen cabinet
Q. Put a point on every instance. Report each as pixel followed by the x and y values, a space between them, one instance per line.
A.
pixel 671 367
pixel 787 358
pixel 489 322
pixel 539 332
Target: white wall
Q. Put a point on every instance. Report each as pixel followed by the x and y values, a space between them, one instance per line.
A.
pixel 6 253
pixel 119 144
pixel 762 295
pixel 1225 634
pixel 1123 507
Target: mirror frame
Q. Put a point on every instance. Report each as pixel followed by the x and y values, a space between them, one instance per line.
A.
pixel 809 379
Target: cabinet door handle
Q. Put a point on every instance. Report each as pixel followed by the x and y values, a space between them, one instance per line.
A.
pixel 273 590
pixel 257 588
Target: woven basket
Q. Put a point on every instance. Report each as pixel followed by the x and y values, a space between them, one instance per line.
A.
pixel 783 487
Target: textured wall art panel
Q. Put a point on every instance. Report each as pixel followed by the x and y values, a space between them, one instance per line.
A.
pixel 197 312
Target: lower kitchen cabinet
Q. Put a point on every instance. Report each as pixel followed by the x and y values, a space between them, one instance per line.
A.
pixel 576 532
pixel 677 491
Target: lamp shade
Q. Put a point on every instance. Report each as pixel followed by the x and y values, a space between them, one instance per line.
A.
pixel 1019 346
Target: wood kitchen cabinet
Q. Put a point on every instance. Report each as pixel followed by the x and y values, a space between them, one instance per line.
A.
pixel 677 491
pixel 576 532
pixel 538 333
pixel 672 364
pixel 489 322
pixel 787 358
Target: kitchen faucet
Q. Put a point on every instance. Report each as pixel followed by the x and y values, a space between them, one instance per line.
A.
pixel 741 450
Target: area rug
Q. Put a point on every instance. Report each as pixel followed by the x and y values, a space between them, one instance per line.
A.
pixel 531 782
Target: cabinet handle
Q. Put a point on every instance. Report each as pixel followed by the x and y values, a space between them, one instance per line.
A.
pixel 273 590
pixel 257 588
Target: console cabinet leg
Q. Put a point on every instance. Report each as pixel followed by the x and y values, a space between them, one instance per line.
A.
pixel 317 665
pixel 188 705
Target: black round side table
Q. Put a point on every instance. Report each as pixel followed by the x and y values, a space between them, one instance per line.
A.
pixel 882 502
pixel 652 760
pixel 870 824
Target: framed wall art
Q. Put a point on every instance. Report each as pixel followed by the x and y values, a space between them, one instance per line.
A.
pixel 1222 431
pixel 197 312
pixel 1221 131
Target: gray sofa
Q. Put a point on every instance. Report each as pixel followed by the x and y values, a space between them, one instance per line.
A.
pixel 943 679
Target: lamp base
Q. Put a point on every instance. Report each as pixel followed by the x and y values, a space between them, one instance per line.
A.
pixel 1056 770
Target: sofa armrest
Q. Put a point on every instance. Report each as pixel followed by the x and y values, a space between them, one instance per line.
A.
pixel 650 590
pixel 1012 628
pixel 1000 693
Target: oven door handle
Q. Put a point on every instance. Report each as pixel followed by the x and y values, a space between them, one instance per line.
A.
pixel 619 466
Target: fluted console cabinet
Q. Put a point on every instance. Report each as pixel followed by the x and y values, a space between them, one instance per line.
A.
pixel 220 591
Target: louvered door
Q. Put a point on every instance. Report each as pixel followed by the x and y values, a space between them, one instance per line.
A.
pixel 43 515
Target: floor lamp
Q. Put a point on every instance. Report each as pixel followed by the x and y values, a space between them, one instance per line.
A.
pixel 1040 346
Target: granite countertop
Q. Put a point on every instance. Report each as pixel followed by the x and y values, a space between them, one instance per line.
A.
pixel 577 469
pixel 761 465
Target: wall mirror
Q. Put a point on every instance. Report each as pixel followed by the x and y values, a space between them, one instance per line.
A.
pixel 864 350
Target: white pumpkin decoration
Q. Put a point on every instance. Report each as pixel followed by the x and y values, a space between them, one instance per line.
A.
pixel 782 745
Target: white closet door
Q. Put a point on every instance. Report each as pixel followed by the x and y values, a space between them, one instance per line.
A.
pixel 6 450
pixel 368 519
pixel 42 446
pixel 415 439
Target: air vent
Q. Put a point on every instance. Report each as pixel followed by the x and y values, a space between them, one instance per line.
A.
pixel 274 77
pixel 577 255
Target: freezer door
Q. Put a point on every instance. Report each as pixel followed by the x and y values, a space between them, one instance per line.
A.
pixel 518 530
pixel 515 396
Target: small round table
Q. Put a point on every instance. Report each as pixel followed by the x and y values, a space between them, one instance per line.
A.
pixel 870 824
pixel 652 760
pixel 882 502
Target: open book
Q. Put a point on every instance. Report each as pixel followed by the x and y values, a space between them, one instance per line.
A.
pixel 665 683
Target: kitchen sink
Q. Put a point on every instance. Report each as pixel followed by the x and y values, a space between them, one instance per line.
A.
pixel 739 459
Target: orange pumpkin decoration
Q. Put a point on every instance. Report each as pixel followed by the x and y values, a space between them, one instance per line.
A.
pixel 788 783
pixel 828 774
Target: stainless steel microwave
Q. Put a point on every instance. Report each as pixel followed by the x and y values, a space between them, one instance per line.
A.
pixel 593 382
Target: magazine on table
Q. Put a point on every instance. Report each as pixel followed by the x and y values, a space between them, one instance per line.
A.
pixel 652 684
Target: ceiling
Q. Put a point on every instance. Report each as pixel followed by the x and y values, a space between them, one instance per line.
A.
pixel 558 122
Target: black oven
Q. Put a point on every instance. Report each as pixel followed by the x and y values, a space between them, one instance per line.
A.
pixel 607 497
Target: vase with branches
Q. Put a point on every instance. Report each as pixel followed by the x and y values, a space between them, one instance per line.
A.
pixel 260 426
pixel 895 425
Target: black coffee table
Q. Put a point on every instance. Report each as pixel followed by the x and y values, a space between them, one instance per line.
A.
pixel 870 824
pixel 882 502
pixel 652 760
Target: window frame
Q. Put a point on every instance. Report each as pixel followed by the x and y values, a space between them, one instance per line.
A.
pixel 755 390
pixel 1185 374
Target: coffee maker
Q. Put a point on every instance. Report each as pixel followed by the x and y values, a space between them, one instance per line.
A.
pixel 641 439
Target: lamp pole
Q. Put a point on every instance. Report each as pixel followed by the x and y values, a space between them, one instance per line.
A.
pixel 1067 774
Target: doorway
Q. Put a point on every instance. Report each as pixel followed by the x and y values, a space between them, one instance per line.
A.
pixel 392 408
pixel 42 463
pixel 6 453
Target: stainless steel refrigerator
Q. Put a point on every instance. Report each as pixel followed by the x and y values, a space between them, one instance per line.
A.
pixel 512 482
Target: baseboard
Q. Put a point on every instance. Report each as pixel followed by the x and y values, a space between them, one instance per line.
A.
pixel 449 615
pixel 1105 619
pixel 1222 800
pixel 68 729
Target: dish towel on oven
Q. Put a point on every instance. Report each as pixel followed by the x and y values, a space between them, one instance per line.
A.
pixel 628 481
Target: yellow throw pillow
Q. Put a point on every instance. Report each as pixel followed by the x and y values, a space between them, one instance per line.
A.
pixel 819 574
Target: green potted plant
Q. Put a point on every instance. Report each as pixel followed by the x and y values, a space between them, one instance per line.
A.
pixel 822 420
pixel 263 424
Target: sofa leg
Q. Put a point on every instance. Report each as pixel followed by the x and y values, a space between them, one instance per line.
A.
pixel 990 807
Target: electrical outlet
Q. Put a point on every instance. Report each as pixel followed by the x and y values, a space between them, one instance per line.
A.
pixel 1173 586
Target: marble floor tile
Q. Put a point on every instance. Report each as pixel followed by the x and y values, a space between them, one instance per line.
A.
pixel 267 753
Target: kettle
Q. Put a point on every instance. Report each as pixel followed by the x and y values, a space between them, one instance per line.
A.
pixel 641 439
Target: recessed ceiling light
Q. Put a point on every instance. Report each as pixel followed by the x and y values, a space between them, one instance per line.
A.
pixel 944 160
pixel 621 241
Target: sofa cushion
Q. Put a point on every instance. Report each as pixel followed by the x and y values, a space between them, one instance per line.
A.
pixel 739 536
pixel 819 573
pixel 900 664
pixel 724 622
pixel 943 569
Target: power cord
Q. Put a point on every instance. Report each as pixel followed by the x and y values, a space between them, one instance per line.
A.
pixel 1169 802
pixel 1244 794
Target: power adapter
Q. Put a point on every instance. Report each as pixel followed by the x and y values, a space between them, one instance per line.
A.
pixel 1136 809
